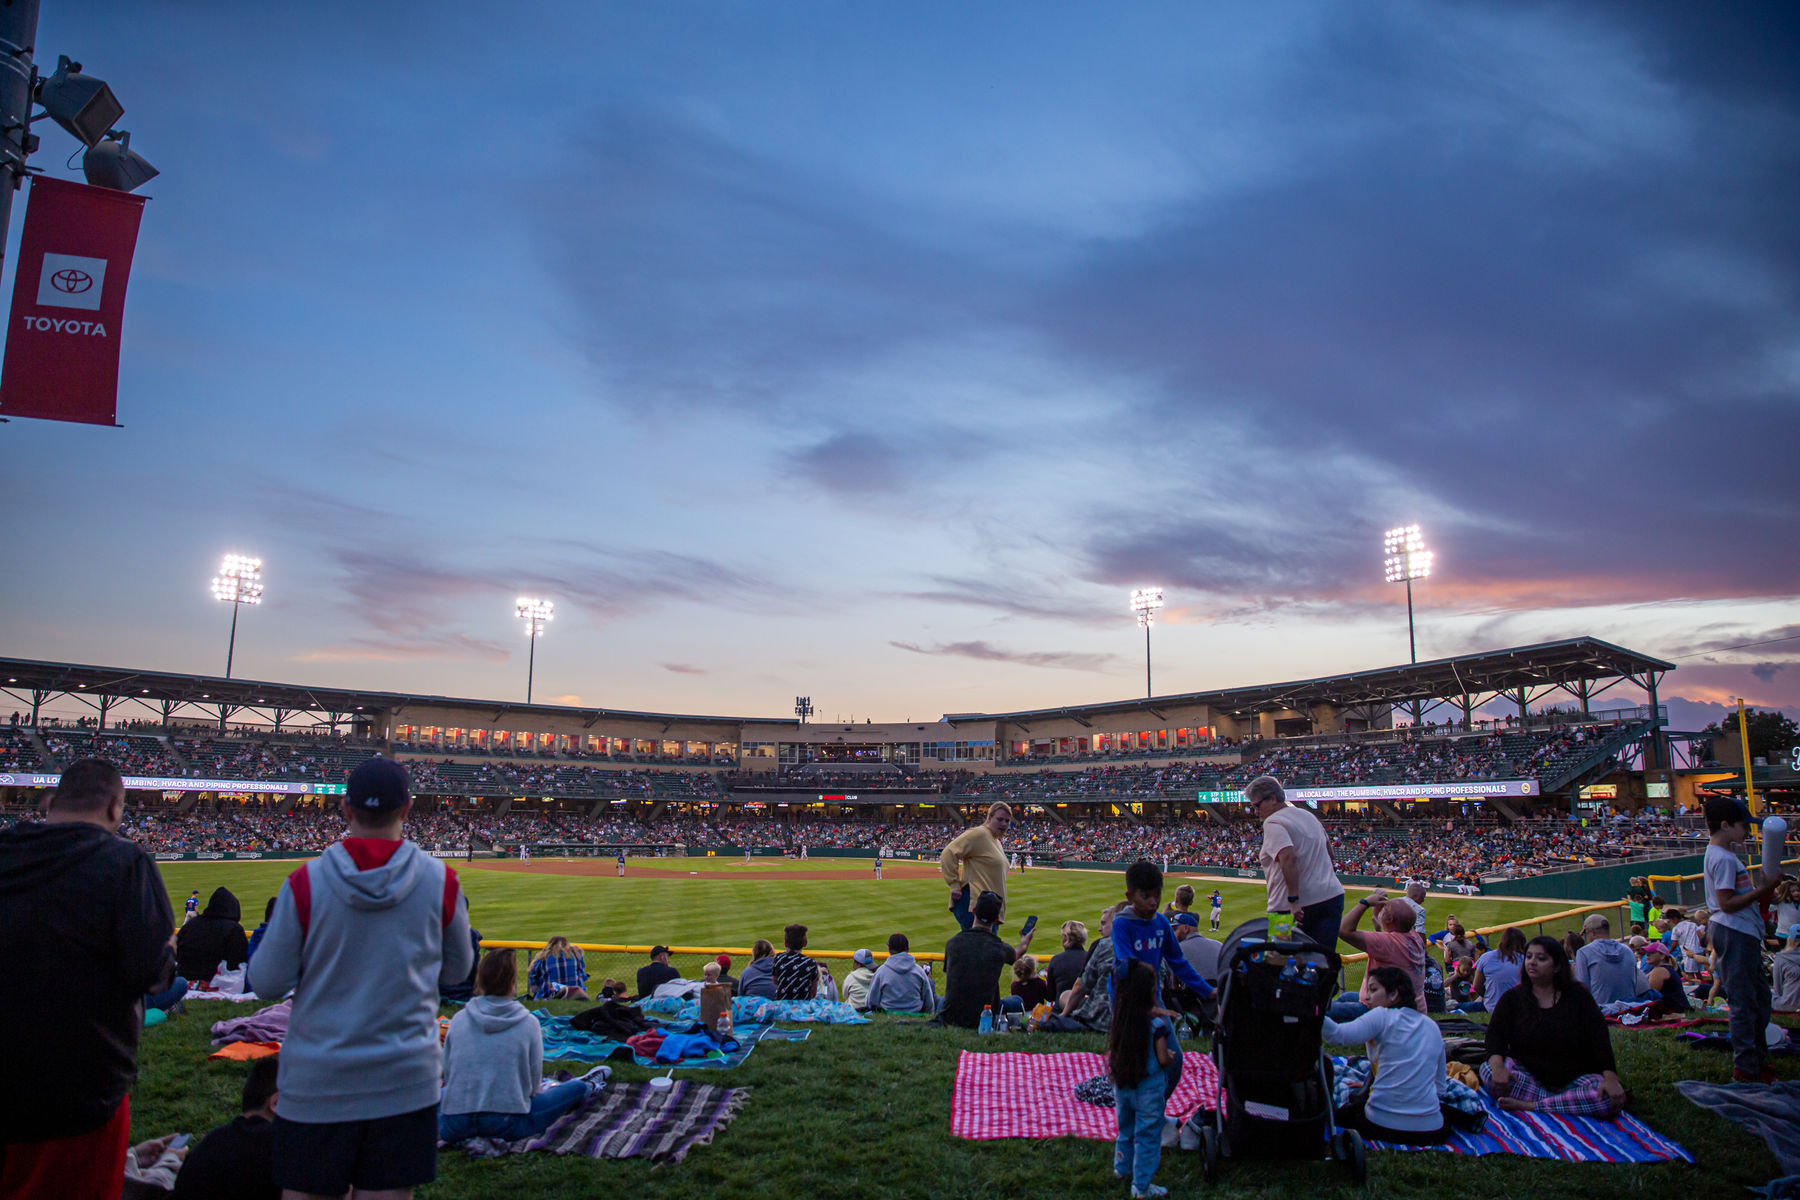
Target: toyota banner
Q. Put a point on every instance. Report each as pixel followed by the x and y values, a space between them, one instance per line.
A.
pixel 62 340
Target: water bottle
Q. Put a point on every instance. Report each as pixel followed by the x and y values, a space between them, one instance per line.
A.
pixel 987 1018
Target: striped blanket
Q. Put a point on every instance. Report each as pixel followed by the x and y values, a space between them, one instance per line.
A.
pixel 1033 1096
pixel 632 1120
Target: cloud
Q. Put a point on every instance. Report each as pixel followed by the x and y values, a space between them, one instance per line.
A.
pixel 683 668
pixel 984 652
pixel 455 646
pixel 573 701
pixel 1016 596
pixel 1766 671
pixel 858 463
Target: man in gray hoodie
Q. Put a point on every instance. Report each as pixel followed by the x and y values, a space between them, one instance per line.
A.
pixel 1607 967
pixel 900 984
pixel 364 935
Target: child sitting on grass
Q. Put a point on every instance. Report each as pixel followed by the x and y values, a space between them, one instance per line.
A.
pixel 1139 1054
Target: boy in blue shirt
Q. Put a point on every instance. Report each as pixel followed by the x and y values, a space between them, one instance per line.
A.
pixel 1142 934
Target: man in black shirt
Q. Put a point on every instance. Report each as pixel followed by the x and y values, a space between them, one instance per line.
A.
pixel 237 1161
pixel 796 976
pixel 973 960
pixel 656 973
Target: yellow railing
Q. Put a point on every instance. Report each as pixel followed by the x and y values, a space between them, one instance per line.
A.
pixel 1653 880
pixel 689 951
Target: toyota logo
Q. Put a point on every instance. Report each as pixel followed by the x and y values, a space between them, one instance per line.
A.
pixel 72 281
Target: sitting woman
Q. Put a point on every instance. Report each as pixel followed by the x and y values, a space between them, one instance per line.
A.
pixel 1665 978
pixel 1029 989
pixel 559 972
pixel 1497 972
pixel 758 978
pixel 1408 1052
pixel 1548 1047
pixel 494 1061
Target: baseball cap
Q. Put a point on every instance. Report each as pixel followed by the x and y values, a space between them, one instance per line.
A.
pixel 379 785
pixel 863 958
pixel 656 950
pixel 987 907
pixel 724 960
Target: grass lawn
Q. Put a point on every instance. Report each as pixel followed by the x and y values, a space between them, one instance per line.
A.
pixel 866 1110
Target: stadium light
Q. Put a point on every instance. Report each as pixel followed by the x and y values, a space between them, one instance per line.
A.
pixel 803 707
pixel 112 163
pixel 239 582
pixel 1407 559
pixel 1145 602
pixel 81 104
pixel 536 614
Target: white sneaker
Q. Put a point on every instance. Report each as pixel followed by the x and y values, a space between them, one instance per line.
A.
pixel 1171 1133
pixel 596 1076
pixel 1190 1135
pixel 1155 1189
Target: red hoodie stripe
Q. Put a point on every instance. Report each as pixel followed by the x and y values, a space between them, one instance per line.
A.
pixel 450 890
pixel 300 884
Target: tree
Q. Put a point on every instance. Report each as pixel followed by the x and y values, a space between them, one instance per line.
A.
pixel 1773 733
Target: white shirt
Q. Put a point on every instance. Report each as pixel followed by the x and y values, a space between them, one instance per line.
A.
pixel 1725 872
pixel 1289 826
pixel 1411 1054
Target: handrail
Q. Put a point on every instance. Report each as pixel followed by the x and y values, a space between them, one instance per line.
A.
pixel 706 951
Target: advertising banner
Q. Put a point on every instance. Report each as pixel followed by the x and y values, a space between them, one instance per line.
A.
pixel 1473 790
pixel 62 340
pixel 177 783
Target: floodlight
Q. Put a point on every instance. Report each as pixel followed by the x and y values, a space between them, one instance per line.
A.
pixel 239 582
pixel 535 613
pixel 1145 602
pixel 81 104
pixel 1407 557
pixel 112 163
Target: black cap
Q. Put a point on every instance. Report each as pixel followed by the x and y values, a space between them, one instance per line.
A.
pixel 656 950
pixel 379 785
pixel 987 908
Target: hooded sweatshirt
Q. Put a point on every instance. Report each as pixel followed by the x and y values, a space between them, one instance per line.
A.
pixel 856 987
pixel 86 909
pixel 1610 971
pixel 493 1058
pixel 211 938
pixel 901 985
pixel 365 934
pixel 758 979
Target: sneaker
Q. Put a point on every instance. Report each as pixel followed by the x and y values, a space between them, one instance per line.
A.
pixel 1190 1136
pixel 1155 1189
pixel 596 1076
pixel 1171 1134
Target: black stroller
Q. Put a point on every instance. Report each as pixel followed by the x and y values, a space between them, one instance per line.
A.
pixel 1269 1049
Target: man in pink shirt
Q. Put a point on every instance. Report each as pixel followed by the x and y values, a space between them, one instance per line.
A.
pixel 1392 943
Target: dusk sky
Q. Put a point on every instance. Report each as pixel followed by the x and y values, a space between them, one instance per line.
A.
pixel 878 352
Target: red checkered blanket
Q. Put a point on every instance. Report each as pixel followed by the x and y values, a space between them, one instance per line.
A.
pixel 1033 1095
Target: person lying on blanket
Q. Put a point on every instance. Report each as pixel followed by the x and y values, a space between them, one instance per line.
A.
pixel 1402 1105
pixel 494 1061
pixel 1548 1047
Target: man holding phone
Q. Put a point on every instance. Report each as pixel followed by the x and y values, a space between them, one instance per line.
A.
pixel 973 960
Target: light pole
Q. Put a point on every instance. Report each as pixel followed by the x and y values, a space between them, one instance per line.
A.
pixel 1407 559
pixel 535 613
pixel 803 707
pixel 1145 602
pixel 239 582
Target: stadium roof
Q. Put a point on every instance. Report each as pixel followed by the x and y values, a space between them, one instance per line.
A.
pixel 1575 664
pixel 1565 664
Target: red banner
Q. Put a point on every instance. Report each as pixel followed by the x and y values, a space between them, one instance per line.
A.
pixel 62 341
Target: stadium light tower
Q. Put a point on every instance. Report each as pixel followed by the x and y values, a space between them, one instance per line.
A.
pixel 803 707
pixel 1145 602
pixel 536 614
pixel 1407 560
pixel 239 582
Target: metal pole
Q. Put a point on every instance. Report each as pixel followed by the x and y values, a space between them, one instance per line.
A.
pixel 18 41
pixel 231 646
pixel 1744 745
pixel 1148 690
pixel 1411 642
pixel 531 662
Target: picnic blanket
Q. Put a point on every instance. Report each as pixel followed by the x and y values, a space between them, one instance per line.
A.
pixel 1769 1110
pixel 264 1025
pixel 564 1043
pixel 1017 1095
pixel 632 1120
pixel 754 1010
pixel 245 1051
pixel 1033 1096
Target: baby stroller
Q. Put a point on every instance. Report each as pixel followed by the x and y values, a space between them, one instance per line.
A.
pixel 1269 1049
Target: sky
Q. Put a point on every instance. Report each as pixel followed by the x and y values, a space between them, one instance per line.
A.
pixel 876 352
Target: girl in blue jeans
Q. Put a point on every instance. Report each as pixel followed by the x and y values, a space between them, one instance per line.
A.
pixel 1139 1053
pixel 494 1061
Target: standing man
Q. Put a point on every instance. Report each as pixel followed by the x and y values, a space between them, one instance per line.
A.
pixel 878 868
pixel 1218 909
pixel 976 859
pixel 1296 862
pixel 76 897
pixel 192 909
pixel 1415 896
pixel 621 861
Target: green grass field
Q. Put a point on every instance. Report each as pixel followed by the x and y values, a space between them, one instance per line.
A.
pixel 867 1108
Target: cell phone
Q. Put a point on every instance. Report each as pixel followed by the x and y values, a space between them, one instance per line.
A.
pixel 180 1140
pixel 1029 925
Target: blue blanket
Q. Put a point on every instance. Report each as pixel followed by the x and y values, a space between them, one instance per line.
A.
pixel 564 1043
pixel 752 1010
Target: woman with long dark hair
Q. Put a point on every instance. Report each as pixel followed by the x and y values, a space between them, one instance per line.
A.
pixel 1497 972
pixel 1548 1047
pixel 1137 1051
pixel 1402 1105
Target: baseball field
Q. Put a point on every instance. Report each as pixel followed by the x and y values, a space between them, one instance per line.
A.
pixel 866 1109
